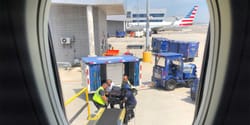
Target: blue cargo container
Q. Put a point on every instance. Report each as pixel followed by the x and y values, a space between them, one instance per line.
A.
pixel 174 46
pixel 153 44
pixel 164 45
pixel 189 50
pixel 120 34
pixel 160 44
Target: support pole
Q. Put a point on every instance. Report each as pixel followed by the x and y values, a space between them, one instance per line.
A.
pixel 147 26
pixel 90 23
pixel 147 55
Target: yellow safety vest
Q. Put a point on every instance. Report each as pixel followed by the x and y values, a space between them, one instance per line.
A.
pixel 97 97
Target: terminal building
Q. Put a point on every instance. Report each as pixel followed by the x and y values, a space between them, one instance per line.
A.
pixel 79 27
pixel 156 15
pixel 116 23
pixel 132 19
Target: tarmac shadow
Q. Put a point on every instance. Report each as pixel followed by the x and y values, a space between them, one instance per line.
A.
pixel 188 100
pixel 73 118
pixel 160 88
pixel 149 83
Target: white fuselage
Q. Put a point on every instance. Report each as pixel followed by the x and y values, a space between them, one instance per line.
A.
pixel 151 24
pixel 158 22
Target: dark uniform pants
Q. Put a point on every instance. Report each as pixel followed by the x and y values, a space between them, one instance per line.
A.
pixel 129 113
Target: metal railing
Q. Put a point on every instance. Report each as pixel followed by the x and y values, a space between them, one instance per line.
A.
pixel 84 90
pixel 99 113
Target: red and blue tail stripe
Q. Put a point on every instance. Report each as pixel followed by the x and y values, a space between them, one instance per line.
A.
pixel 189 18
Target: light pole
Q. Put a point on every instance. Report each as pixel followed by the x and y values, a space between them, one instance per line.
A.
pixel 147 55
pixel 147 26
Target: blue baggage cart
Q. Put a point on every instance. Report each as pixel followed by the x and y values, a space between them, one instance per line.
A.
pixel 160 44
pixel 155 44
pixel 170 70
pixel 120 34
pixel 174 46
pixel 189 50
pixel 164 44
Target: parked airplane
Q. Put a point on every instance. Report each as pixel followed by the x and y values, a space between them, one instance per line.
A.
pixel 156 25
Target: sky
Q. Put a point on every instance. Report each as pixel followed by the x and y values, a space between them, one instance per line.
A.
pixel 174 7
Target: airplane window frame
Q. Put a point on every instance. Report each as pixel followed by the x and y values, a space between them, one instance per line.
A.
pixel 47 93
pixel 49 70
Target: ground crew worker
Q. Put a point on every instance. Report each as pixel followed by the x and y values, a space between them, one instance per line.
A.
pixel 99 98
pixel 130 103
pixel 109 89
pixel 125 81
pixel 110 85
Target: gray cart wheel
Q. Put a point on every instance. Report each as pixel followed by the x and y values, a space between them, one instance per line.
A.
pixel 170 84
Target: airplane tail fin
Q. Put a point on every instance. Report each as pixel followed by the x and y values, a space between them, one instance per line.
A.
pixel 189 18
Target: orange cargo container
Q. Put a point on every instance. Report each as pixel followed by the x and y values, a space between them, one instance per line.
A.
pixel 132 34
pixel 111 53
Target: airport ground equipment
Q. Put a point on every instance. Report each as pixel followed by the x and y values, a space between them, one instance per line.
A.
pixel 104 116
pixel 170 70
pixel 139 33
pixel 114 116
pixel 160 44
pixel 135 46
pixel 135 49
pixel 111 52
pixel 70 100
pixel 108 117
pixel 120 34
pixel 189 49
pixel 194 89
pixel 97 69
